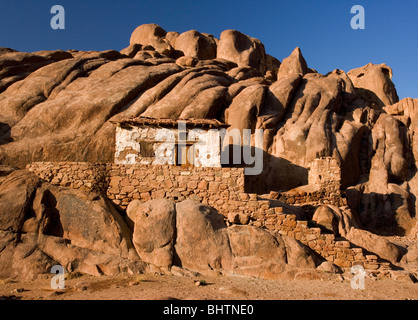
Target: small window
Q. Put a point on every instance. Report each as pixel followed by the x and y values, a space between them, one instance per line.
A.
pixel 147 150
pixel 184 155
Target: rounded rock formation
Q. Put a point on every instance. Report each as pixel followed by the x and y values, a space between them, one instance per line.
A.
pixel 194 44
pixel 242 49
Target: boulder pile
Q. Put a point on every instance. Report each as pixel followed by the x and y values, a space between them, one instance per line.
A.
pixel 61 106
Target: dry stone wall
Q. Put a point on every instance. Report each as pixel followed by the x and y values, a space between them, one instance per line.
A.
pixel 318 197
pixel 337 250
pixel 325 173
pixel 221 188
pixel 325 181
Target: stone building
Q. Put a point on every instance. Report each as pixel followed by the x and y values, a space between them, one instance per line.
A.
pixel 325 174
pixel 192 142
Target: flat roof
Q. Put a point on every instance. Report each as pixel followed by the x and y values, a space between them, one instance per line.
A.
pixel 146 121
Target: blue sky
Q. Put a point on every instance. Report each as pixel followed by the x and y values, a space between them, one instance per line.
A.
pixel 320 27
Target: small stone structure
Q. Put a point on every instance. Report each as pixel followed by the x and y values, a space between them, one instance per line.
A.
pixel 223 189
pixel 334 249
pixel 145 140
pixel 325 173
pixel 324 186
pixel 314 198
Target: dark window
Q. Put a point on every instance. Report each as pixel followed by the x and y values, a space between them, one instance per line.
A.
pixel 147 150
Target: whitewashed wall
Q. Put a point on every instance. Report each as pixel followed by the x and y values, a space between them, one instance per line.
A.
pixel 206 151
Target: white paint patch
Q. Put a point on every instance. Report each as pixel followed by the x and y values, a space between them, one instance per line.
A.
pixel 206 150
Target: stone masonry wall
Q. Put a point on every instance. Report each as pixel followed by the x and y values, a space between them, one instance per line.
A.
pixel 337 250
pixel 221 188
pixel 325 173
pixel 317 197
pixel 325 178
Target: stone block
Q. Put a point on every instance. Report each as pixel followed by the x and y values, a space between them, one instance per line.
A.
pixel 125 182
pixel 320 242
pixel 195 197
pixel 316 230
pixel 226 175
pixel 342 263
pixel 252 204
pixel 192 185
pixel 114 181
pixel 348 251
pixel 113 190
pixel 278 210
pixel 341 255
pixel 290 223
pixel 360 257
pixel 127 189
pixel 167 184
pixel 342 244
pixel 350 257
pixel 144 189
pixel 145 196
pixel 213 186
pixel 159 194
pixel 312 243
pixel 357 250
pixel 330 258
pixel 371 266
pixel 310 237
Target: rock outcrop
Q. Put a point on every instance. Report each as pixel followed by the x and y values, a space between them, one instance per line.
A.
pixel 374 84
pixel 294 64
pixel 154 232
pixel 242 49
pixel 51 225
pixel 203 243
pixel 61 106
pixel 82 232
pixel 194 44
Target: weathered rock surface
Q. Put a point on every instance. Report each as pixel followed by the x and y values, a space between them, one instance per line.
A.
pixel 203 243
pixel 146 34
pixel 131 212
pixel 51 225
pixel 58 106
pixel 299 255
pixel 16 195
pixel 152 36
pixel 194 44
pixel 154 232
pixel 242 49
pixel 201 227
pixel 328 266
pixel 375 244
pixel 410 259
pixel 334 220
pixel 374 83
pixel 256 252
pixel 294 64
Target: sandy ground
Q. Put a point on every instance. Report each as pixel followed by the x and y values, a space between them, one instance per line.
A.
pixel 153 287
